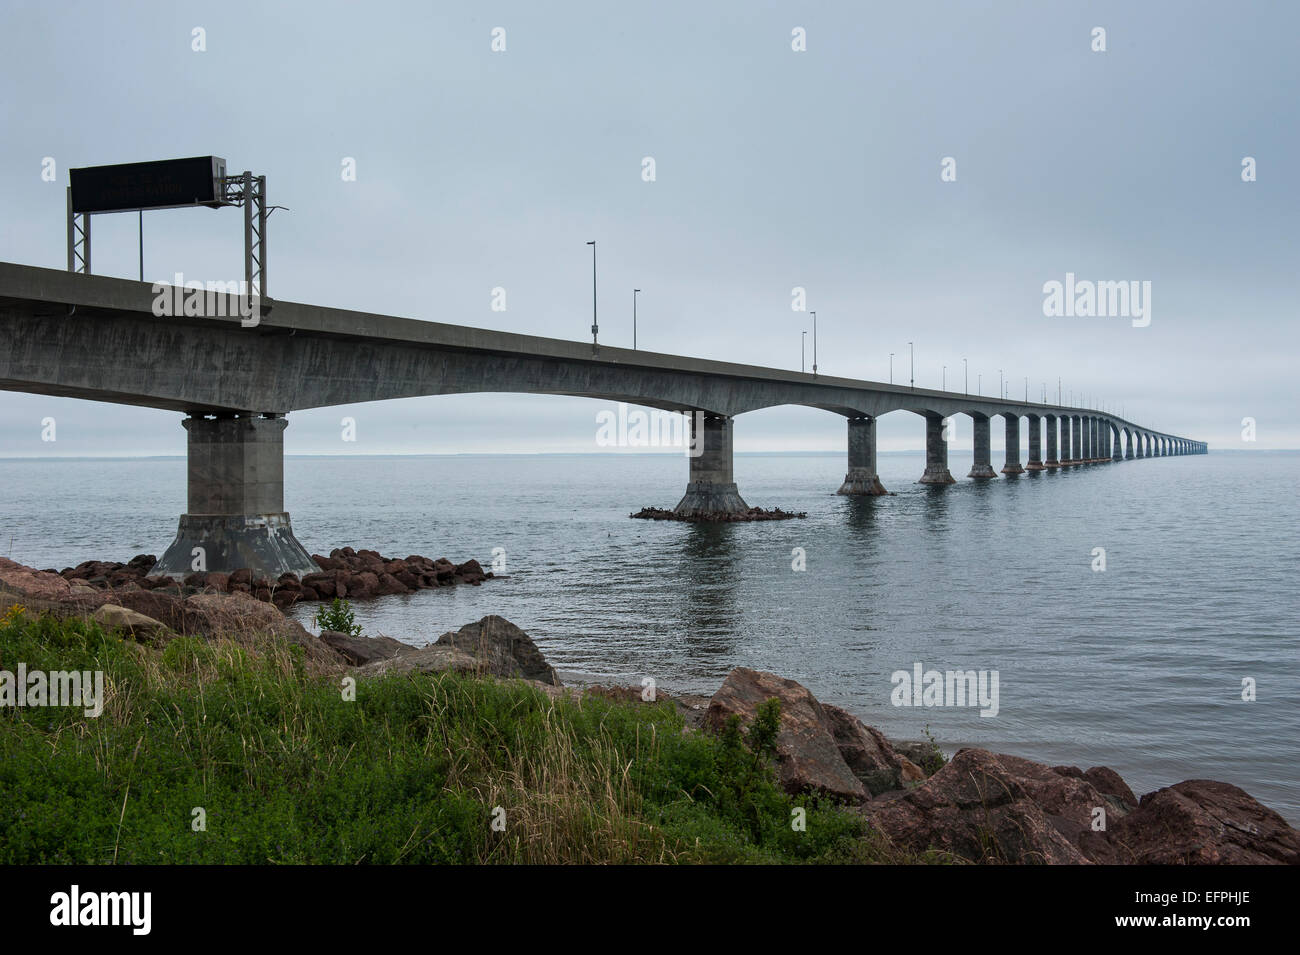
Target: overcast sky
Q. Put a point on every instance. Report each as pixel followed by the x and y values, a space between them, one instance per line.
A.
pixel 774 168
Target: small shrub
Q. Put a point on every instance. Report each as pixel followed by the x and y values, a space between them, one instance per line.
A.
pixel 338 617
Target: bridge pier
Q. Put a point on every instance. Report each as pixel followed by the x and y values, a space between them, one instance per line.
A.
pixel 983 466
pixel 936 453
pixel 1085 439
pixel 861 477
pixel 1116 444
pixel 1128 444
pixel 235 514
pixel 1076 439
pixel 1012 465
pixel 1035 443
pixel 712 485
pixel 1053 460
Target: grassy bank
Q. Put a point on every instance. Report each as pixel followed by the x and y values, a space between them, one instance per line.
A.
pixel 413 770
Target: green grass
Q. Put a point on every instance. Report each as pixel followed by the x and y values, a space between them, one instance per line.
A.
pixel 411 771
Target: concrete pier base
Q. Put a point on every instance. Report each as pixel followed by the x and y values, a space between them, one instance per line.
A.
pixel 936 454
pixel 1012 464
pixel 861 478
pixel 983 466
pixel 235 514
pixel 1053 459
pixel 1035 443
pixel 712 487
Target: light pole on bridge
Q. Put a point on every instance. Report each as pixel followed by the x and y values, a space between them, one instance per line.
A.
pixel 635 291
pixel 814 316
pixel 891 367
pixel 911 362
pixel 803 339
pixel 1001 384
pixel 966 371
pixel 944 380
pixel 595 327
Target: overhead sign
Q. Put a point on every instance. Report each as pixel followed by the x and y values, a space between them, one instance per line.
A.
pixel 167 184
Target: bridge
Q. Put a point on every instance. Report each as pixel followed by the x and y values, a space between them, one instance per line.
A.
pixel 95 337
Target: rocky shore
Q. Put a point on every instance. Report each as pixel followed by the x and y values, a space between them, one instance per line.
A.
pixel 977 807
pixel 348 573
pixel 725 517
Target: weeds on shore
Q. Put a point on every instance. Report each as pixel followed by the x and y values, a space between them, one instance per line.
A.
pixel 213 752
pixel 339 617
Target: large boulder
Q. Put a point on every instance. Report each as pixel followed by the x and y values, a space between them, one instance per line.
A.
pixel 990 807
pixel 243 617
pixel 359 651
pixel 808 758
pixel 502 649
pixel 869 756
pixel 137 625
pixel 42 590
pixel 1197 822
pixel 437 658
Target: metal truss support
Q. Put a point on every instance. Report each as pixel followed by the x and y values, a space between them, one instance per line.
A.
pixel 78 239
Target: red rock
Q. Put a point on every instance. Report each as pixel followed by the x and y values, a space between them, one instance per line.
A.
pixel 989 807
pixel 867 753
pixel 807 756
pixel 388 585
pixel 1197 822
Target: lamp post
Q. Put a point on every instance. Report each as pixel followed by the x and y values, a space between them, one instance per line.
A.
pixel 814 316
pixel 595 326
pixel 803 341
pixel 1001 384
pixel 891 367
pixel 1026 390
pixel 911 363
pixel 943 382
pixel 966 371
pixel 634 294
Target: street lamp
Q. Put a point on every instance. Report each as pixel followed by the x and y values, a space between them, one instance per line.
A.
pixel 595 327
pixel 634 294
pixel 891 367
pixel 803 339
pixel 814 316
pixel 966 372
pixel 1026 389
pixel 1001 384
pixel 911 361
pixel 944 379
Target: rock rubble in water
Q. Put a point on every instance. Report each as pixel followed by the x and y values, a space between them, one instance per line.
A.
pixel 345 573
pixel 725 517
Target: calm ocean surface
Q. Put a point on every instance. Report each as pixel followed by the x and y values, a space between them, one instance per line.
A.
pixel 1139 667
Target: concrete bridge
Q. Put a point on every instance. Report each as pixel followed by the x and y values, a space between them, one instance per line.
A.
pixel 94 337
